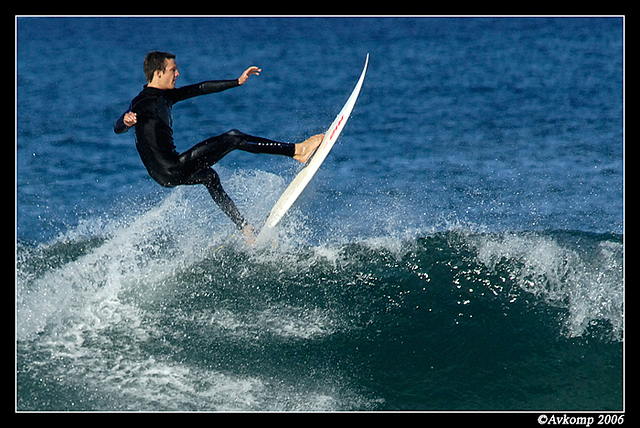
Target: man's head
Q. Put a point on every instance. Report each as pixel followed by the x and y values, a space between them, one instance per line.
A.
pixel 161 70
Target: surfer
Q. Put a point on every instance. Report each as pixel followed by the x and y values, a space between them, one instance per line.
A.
pixel 150 113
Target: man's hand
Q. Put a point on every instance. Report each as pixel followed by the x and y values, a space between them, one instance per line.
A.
pixel 130 119
pixel 248 72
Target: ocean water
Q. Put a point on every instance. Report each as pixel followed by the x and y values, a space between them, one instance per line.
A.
pixel 461 248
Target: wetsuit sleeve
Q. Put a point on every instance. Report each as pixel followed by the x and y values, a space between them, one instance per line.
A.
pixel 202 88
pixel 120 127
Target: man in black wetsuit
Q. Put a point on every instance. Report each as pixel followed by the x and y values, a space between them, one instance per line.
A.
pixel 150 113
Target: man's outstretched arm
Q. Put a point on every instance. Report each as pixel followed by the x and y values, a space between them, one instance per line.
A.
pixel 211 86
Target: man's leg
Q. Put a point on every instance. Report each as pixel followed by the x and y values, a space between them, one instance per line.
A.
pixel 213 149
pixel 196 162
pixel 210 179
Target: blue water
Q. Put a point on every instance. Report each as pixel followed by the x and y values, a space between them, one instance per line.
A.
pixel 460 248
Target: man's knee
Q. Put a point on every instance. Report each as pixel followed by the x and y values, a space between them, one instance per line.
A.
pixel 235 133
pixel 212 179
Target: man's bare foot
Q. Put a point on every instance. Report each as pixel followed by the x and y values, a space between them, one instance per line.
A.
pixel 305 149
pixel 249 234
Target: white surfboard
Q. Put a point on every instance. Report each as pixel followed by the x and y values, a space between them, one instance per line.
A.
pixel 304 176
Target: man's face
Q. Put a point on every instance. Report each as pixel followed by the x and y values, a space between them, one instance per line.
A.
pixel 167 79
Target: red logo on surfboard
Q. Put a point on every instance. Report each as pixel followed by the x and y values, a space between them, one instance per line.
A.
pixel 337 126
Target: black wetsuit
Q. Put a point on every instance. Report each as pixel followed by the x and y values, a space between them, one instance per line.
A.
pixel 154 141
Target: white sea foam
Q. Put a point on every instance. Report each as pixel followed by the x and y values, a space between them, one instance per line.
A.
pixel 92 313
pixel 588 283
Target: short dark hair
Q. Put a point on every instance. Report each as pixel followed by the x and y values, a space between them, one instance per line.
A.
pixel 155 61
